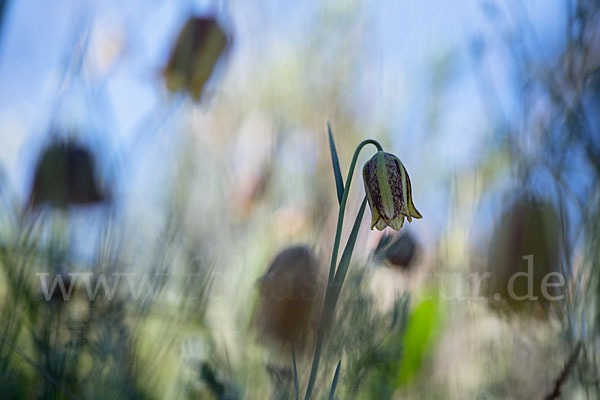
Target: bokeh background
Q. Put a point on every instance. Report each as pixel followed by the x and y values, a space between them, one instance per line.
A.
pixel 492 106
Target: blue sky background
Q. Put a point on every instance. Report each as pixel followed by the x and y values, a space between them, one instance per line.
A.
pixel 405 41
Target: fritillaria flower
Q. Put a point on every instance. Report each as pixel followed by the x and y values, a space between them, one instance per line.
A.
pixel 403 251
pixel 65 175
pixel 388 190
pixel 199 47
pixel 289 292
pixel 524 254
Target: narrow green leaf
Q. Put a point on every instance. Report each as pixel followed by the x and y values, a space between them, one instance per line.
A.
pixel 295 373
pixel 342 269
pixel 339 182
pixel 331 296
pixel 335 380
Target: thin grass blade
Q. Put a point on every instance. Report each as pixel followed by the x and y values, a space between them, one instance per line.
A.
pixel 335 380
pixel 339 182
pixel 295 373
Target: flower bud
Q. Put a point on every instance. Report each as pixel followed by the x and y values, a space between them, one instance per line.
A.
pixel 289 292
pixel 389 192
pixel 199 46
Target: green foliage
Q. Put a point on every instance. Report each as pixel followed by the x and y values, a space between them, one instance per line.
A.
pixel 336 376
pixel 371 341
pixel 337 173
pixel 421 328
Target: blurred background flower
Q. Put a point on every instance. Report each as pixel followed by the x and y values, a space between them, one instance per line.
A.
pixel 197 50
pixel 65 175
pixel 290 292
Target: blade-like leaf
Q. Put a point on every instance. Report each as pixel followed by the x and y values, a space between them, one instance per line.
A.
pixel 339 182
pixel 342 269
pixel 295 373
pixel 335 380
pixel 331 296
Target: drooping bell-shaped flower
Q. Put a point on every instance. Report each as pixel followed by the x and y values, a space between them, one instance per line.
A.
pixel 389 192
pixel 65 175
pixel 198 48
pixel 289 294
pixel 403 251
pixel 525 252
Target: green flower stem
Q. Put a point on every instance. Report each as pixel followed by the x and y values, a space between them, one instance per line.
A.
pixel 336 280
pixel 340 221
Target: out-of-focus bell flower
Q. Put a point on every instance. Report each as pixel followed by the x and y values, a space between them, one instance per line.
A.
pixel 402 252
pixel 389 192
pixel 528 227
pixel 289 292
pixel 65 175
pixel 199 46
